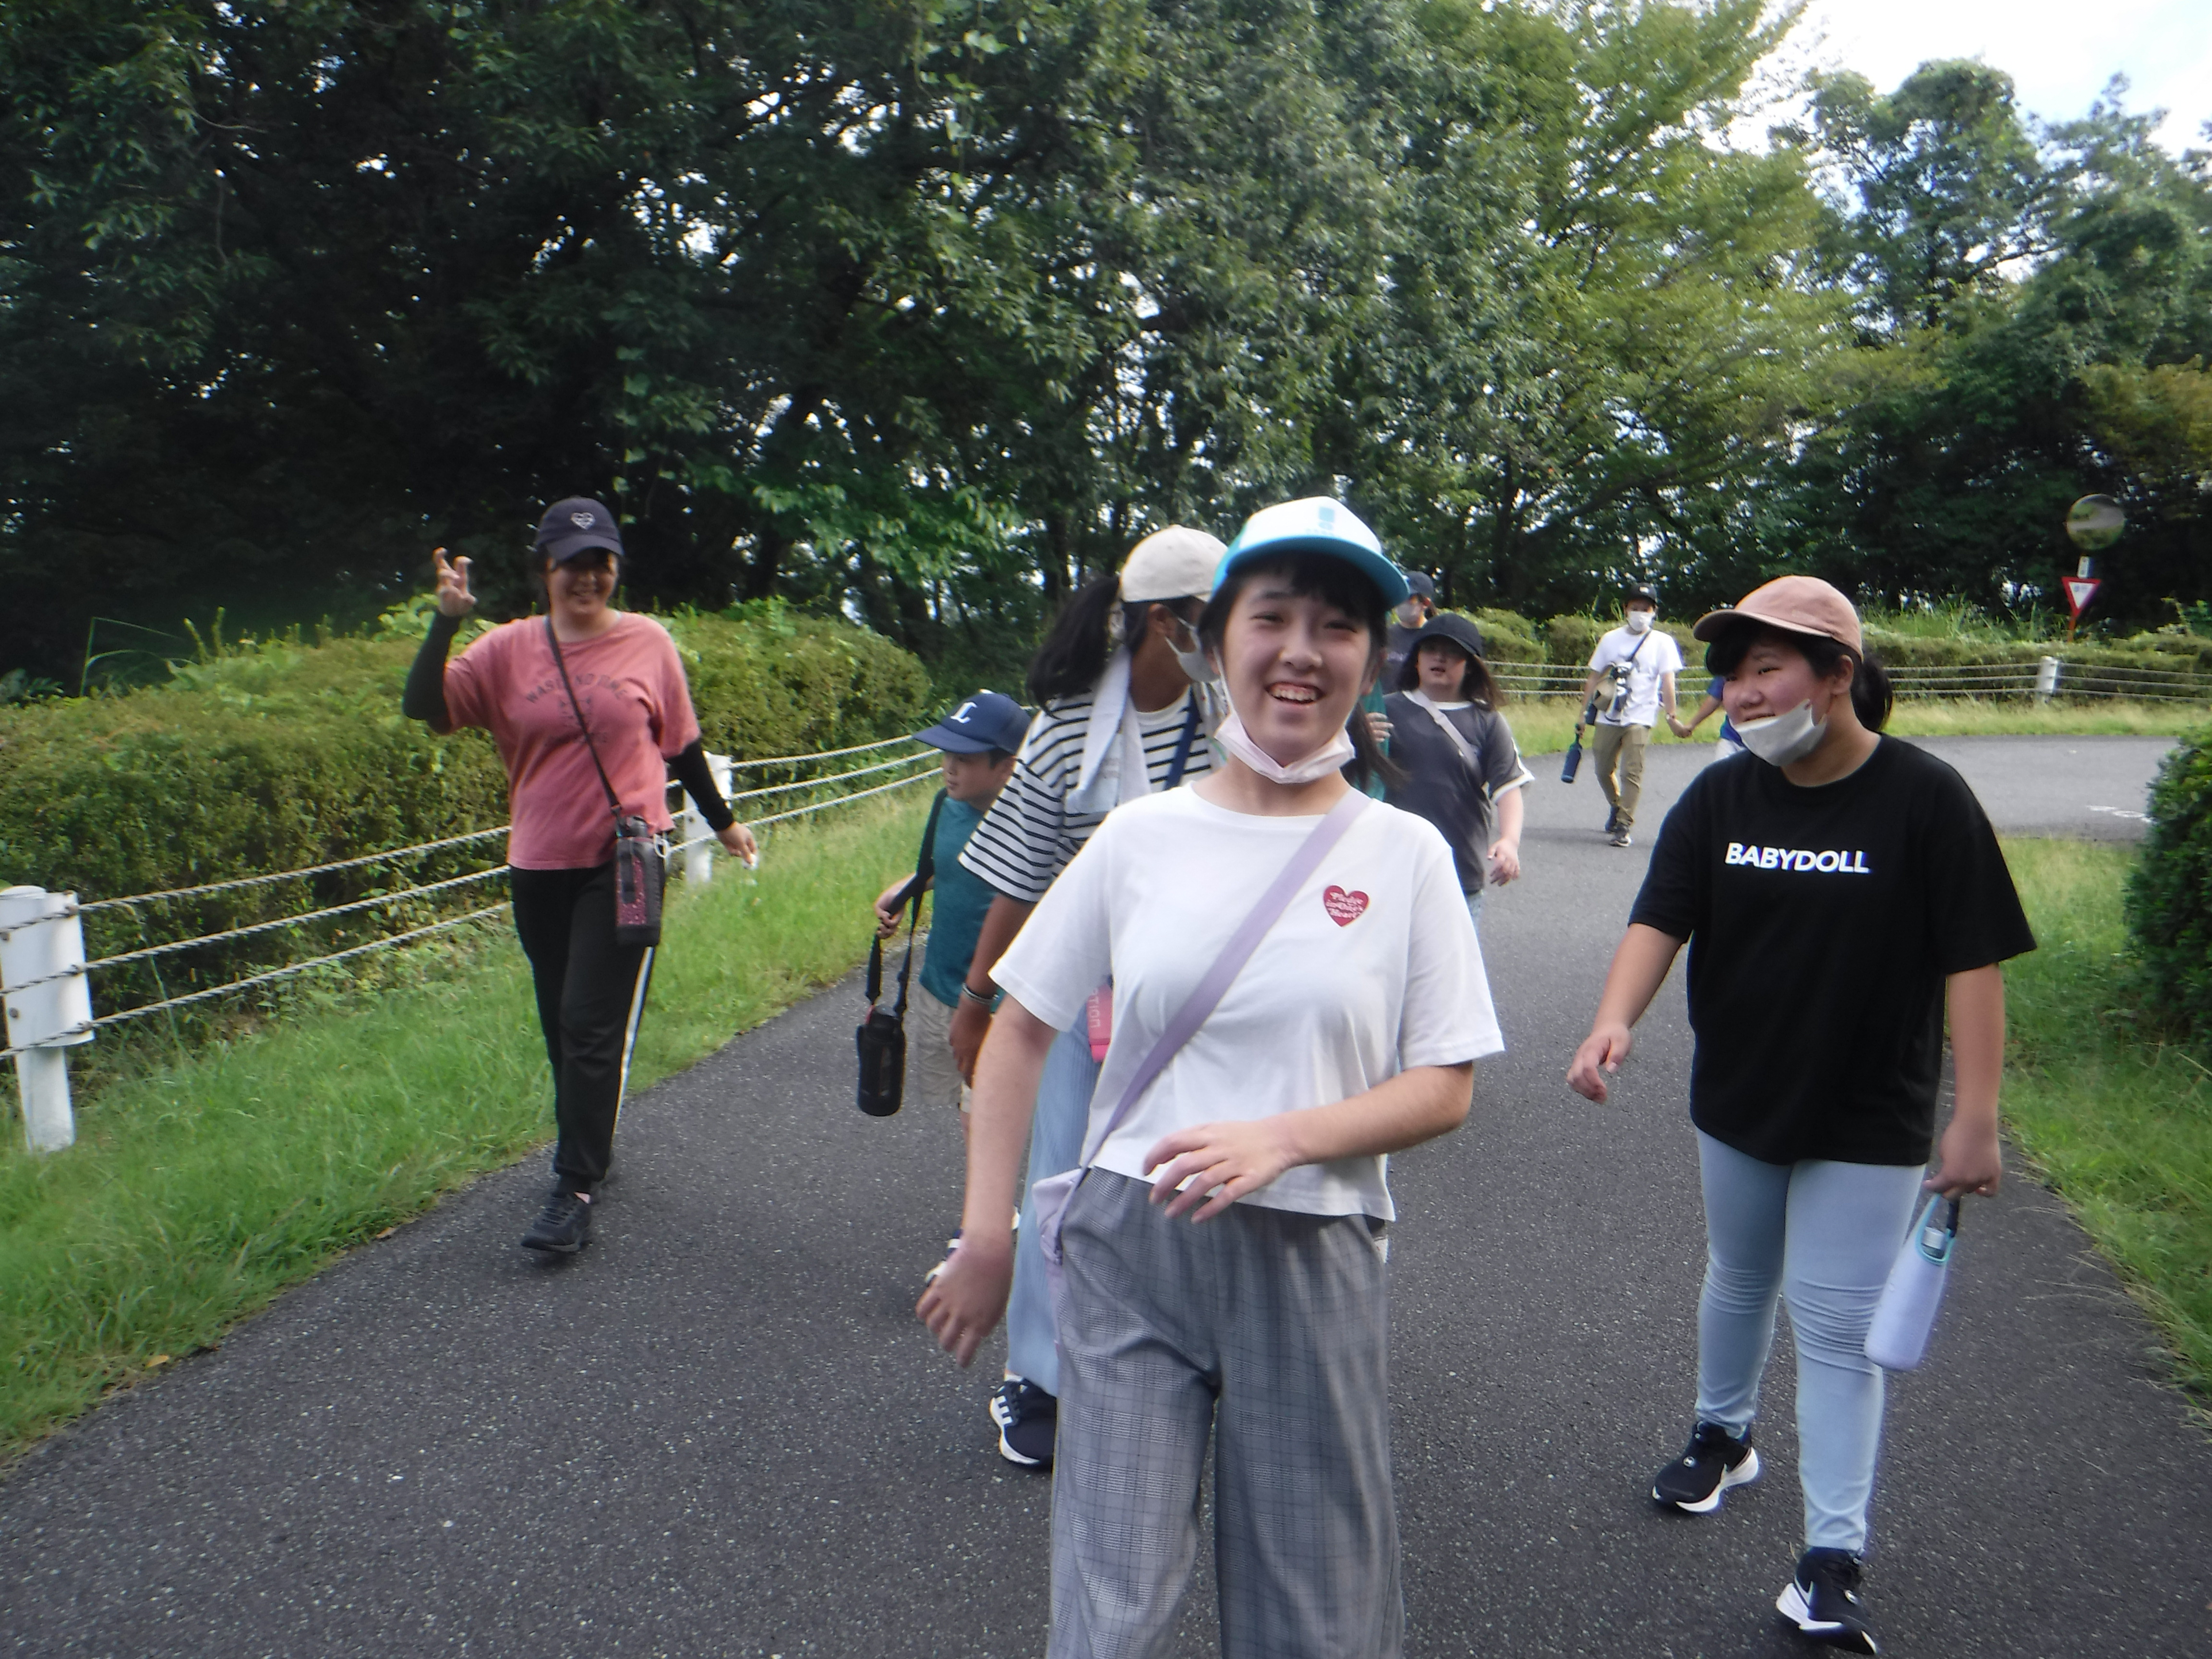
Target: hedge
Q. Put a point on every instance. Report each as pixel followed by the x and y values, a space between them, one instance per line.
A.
pixel 281 755
pixel 2169 897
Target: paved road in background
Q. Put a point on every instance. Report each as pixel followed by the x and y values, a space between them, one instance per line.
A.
pixel 720 1432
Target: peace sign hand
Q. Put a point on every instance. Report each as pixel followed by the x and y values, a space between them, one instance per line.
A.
pixel 454 598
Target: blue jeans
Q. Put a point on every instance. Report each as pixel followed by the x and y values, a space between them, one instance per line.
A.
pixel 1063 1113
pixel 1820 1235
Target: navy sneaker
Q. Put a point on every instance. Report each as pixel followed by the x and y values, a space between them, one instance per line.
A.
pixel 1823 1601
pixel 1029 1422
pixel 1713 1460
pixel 564 1226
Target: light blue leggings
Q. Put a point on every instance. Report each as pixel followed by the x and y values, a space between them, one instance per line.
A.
pixel 1821 1234
pixel 1063 1113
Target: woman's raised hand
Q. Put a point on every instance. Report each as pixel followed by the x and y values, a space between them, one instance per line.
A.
pixel 454 598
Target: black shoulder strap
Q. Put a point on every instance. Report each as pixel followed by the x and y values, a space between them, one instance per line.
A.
pixel 614 801
pixel 925 866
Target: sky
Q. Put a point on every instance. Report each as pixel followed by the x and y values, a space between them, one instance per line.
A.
pixel 2059 53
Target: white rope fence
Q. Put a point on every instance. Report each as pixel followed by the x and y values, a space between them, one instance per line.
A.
pixel 46 975
pixel 2044 679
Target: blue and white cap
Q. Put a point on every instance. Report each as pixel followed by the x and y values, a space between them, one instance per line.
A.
pixel 989 720
pixel 1316 525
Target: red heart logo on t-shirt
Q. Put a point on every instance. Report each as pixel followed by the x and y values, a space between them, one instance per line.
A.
pixel 1344 908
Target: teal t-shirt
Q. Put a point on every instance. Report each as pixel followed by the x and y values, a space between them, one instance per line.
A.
pixel 960 898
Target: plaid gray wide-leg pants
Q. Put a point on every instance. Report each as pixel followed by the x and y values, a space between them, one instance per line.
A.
pixel 1271 1330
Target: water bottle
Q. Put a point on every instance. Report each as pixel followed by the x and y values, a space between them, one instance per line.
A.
pixel 1574 761
pixel 1897 1340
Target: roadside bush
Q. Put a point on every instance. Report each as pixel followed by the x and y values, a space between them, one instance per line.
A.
pixel 281 755
pixel 1507 636
pixel 2169 899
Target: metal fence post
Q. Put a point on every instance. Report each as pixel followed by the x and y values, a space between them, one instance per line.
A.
pixel 42 950
pixel 2046 679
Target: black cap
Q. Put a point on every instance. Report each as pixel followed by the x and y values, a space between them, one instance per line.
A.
pixel 1643 593
pixel 576 525
pixel 1446 625
pixel 989 720
pixel 1422 587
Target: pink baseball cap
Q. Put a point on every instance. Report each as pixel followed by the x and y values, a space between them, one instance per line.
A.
pixel 1796 604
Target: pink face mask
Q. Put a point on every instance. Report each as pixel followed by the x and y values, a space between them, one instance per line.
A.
pixel 1329 757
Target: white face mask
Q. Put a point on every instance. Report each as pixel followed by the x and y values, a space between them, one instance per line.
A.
pixel 1197 667
pixel 1785 738
pixel 1639 622
pixel 1331 756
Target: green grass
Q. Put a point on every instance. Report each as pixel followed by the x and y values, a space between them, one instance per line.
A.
pixel 1543 727
pixel 201 1188
pixel 2119 1126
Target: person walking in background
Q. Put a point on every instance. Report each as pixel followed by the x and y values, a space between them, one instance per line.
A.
pixel 1728 745
pixel 1406 620
pixel 1631 676
pixel 624 696
pixel 1119 684
pixel 1462 769
pixel 978 741
pixel 1839 899
pixel 1223 1252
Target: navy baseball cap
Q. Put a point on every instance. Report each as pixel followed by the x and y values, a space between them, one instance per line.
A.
pixel 576 525
pixel 1420 586
pixel 989 720
pixel 1316 525
pixel 1456 629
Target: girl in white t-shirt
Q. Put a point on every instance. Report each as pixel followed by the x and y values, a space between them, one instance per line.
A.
pixel 1223 1253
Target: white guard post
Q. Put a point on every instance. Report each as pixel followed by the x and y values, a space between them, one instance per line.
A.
pixel 699 858
pixel 2046 679
pixel 42 949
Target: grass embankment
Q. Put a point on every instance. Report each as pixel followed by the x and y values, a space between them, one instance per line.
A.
pixel 199 1189
pixel 2120 1125
pixel 1543 727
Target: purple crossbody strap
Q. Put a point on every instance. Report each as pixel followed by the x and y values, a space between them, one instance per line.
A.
pixel 1234 955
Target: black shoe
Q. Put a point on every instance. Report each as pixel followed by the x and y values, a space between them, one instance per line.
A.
pixel 1713 1460
pixel 563 1227
pixel 1823 1601
pixel 1029 1422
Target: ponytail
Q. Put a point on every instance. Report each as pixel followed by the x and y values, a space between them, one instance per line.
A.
pixel 1075 653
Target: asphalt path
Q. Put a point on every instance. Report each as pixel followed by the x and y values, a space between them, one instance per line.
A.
pixel 720 1431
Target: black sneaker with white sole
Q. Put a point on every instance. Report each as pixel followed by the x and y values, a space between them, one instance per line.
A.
pixel 564 1226
pixel 1713 1460
pixel 1029 1422
pixel 1822 1600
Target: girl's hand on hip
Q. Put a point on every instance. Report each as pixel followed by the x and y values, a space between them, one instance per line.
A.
pixel 1222 1163
pixel 738 842
pixel 1601 1055
pixel 1970 1160
pixel 454 598
pixel 968 1295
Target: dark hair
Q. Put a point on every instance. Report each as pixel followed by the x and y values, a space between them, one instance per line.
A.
pixel 999 756
pixel 1334 582
pixel 1872 696
pixel 1479 685
pixel 1081 639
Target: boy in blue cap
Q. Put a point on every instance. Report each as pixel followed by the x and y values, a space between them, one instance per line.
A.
pixel 979 740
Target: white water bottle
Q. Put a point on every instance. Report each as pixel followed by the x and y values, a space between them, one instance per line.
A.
pixel 1897 1340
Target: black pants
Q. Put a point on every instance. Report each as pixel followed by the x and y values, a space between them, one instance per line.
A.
pixel 591 996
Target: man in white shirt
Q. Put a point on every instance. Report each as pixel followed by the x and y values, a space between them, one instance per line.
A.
pixel 1631 676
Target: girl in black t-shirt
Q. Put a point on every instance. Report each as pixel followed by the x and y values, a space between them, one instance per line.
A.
pixel 1459 767
pixel 1840 890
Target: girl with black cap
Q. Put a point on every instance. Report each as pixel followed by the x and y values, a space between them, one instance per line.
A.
pixel 583 700
pixel 1840 896
pixel 1297 992
pixel 1462 769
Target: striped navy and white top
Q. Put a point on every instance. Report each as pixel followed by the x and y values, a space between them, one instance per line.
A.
pixel 1029 836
